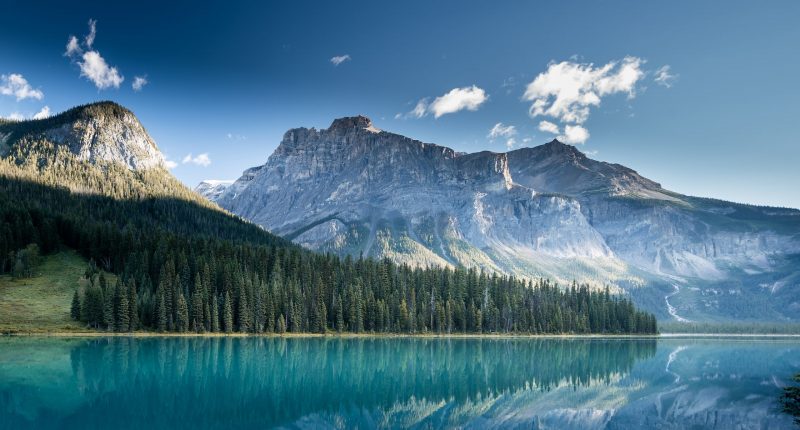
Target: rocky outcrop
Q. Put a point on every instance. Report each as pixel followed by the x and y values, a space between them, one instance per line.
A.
pixel 102 132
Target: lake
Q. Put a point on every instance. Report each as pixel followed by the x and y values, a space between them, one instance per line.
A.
pixel 266 382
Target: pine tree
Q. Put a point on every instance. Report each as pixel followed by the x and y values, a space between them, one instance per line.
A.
pixel 245 313
pixel 122 308
pixel 161 312
pixel 214 314
pixel 108 308
pixel 75 308
pixel 133 305
pixel 227 313
pixel 197 312
pixel 281 324
pixel 182 320
pixel 339 315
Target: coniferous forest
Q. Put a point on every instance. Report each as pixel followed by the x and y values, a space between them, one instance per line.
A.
pixel 183 265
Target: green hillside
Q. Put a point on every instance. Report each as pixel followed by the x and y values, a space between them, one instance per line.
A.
pixel 41 303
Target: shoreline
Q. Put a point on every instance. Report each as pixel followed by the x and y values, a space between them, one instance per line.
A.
pixel 94 334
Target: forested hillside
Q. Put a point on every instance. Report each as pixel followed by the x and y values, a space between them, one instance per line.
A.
pixel 184 265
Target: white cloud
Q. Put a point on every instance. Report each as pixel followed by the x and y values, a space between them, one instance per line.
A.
pixel 200 160
pixel 234 136
pixel 42 114
pixel 510 143
pixel 339 59
pixel 500 130
pixel 421 109
pixel 469 98
pixel 574 134
pixel 93 66
pixel 73 47
pixel 664 77
pixel 139 82
pixel 548 127
pixel 169 164
pixel 567 90
pixel 92 33
pixel 457 99
pixel 16 85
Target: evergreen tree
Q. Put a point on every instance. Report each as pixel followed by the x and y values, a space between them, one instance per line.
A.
pixel 182 320
pixel 75 308
pixel 122 308
pixel 108 307
pixel 227 313
pixel 133 306
pixel 214 314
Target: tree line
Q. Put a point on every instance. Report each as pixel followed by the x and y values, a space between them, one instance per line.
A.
pixel 182 265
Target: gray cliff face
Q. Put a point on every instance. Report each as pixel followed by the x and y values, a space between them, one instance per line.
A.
pixel 212 189
pixel 98 133
pixel 545 211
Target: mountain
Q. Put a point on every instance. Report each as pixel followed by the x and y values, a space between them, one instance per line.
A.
pixel 102 132
pixel 99 148
pixel 212 188
pixel 160 257
pixel 551 211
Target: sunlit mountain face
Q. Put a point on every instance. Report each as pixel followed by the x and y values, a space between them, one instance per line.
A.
pixel 545 211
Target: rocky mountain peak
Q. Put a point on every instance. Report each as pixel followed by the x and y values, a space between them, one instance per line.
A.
pixel 351 122
pixel 97 132
pixel 556 147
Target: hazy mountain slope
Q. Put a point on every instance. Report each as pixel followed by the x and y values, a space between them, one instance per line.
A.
pixel 543 211
pixel 212 189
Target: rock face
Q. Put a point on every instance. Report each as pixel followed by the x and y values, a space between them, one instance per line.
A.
pixel 102 132
pixel 548 211
pixel 212 189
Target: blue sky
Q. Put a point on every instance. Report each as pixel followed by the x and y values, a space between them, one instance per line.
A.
pixel 227 79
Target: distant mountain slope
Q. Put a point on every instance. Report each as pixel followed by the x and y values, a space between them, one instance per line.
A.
pixel 212 189
pixel 544 211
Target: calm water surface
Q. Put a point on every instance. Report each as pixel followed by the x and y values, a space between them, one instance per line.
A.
pixel 197 383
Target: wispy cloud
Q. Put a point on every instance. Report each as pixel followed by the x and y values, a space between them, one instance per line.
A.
pixel 200 160
pixel 169 164
pixel 92 65
pixel 73 47
pixel 664 77
pixel 548 127
pixel 139 82
pixel 501 130
pixel 17 86
pixel 339 59
pixel 505 131
pixel 568 90
pixel 234 136
pixel 457 99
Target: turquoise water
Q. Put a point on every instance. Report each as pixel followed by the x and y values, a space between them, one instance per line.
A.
pixel 197 383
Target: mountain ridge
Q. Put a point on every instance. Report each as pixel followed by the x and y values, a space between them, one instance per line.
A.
pixel 545 211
